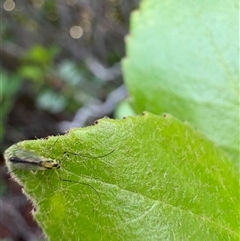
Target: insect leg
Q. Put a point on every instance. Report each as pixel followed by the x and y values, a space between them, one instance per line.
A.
pixel 66 180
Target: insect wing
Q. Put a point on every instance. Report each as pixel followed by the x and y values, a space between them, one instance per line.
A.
pixel 23 159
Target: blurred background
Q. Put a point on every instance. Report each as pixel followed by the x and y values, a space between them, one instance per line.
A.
pixel 60 68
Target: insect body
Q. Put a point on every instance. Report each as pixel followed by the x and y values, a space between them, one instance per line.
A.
pixel 23 159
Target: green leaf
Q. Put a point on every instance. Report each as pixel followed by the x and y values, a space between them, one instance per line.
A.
pixel 41 55
pixel 183 58
pixel 159 180
pixel 32 72
pixel 9 86
pixel 51 101
pixel 124 109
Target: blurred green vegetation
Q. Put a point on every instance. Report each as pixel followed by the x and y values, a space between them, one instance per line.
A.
pixel 10 84
pixel 51 72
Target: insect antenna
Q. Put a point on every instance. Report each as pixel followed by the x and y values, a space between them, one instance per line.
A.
pixel 93 157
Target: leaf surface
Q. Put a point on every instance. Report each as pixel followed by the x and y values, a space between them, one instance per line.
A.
pixel 183 59
pixel 158 179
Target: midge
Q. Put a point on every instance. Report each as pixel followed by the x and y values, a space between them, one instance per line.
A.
pixel 23 159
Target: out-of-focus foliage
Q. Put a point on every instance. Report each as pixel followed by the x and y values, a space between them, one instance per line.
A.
pixel 9 85
pixel 102 25
pixel 66 53
pixel 37 63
